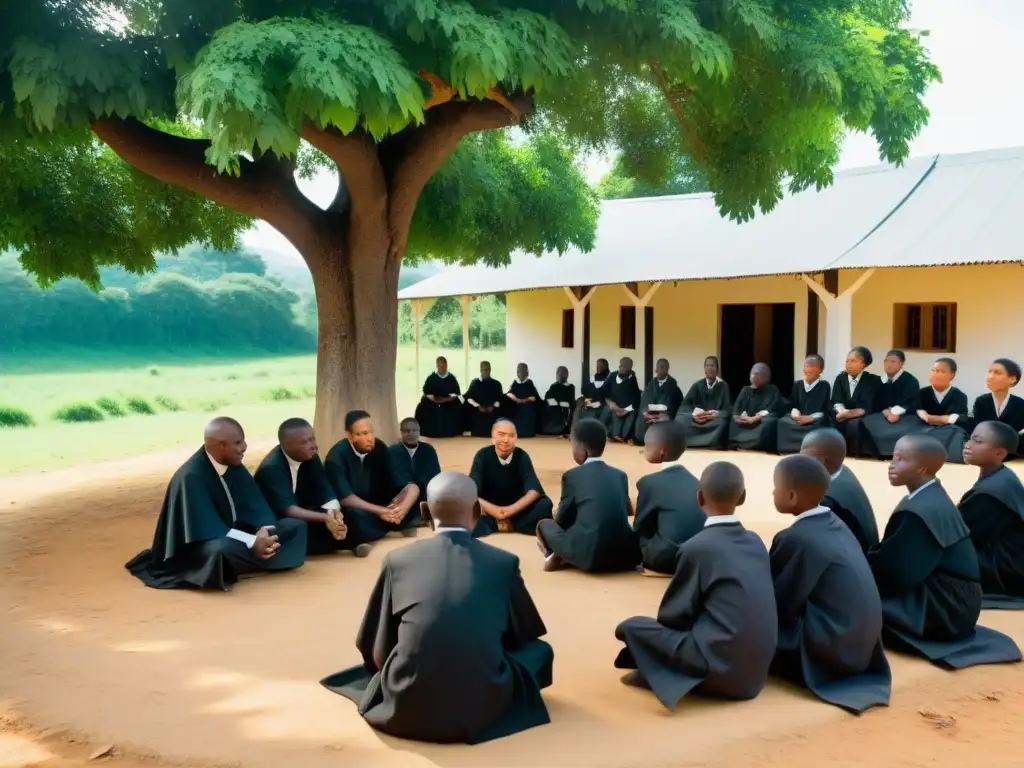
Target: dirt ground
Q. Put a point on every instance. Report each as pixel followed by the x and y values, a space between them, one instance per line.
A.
pixel 91 661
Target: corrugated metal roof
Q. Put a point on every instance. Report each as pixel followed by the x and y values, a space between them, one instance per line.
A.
pixel 844 225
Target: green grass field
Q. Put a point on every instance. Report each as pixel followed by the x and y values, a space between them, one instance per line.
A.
pixel 260 393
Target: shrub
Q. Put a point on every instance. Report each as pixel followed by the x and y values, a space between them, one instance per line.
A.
pixel 209 406
pixel 168 403
pixel 110 406
pixel 279 394
pixel 15 417
pixel 140 406
pixel 231 377
pixel 78 412
pixel 154 371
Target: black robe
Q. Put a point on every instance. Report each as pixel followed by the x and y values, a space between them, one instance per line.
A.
pixel 952 436
pixel 191 547
pixel 880 435
pixel 667 394
pixel 985 410
pixel 830 615
pixel 441 419
pixel 928 576
pixel 624 394
pixel 667 514
pixel 863 398
pixel 716 398
pixel 790 434
pixel 717 626
pixel 312 491
pixel 484 392
pixel 993 510
pixel 556 417
pixel 504 485
pixel 761 436
pixel 595 390
pixel 372 481
pixel 591 528
pixel 458 635
pixel 524 415
pixel 421 468
pixel 846 498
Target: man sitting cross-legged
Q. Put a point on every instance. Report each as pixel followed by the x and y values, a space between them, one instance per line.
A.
pixel 215 524
pixel 451 639
pixel 413 461
pixel 511 496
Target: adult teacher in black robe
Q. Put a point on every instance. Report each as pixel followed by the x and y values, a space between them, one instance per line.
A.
pixel 413 461
pixel 809 404
pixel 853 397
pixel 754 418
pixel 993 510
pixel 523 402
pixel 294 483
pixel 845 495
pixel 896 406
pixel 372 501
pixel 483 402
pixel 451 639
pixel 622 399
pixel 830 614
pixel 944 409
pixel 556 418
pixel 927 570
pixel 593 393
pixel 215 525
pixel 659 401
pixel 706 409
pixel 440 411
pixel 716 629
pixel 1000 404
pixel 512 500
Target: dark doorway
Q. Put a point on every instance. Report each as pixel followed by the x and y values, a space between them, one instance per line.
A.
pixel 753 333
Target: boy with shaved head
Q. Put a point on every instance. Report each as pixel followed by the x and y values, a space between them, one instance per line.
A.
pixel 451 639
pixel 215 525
pixel 927 569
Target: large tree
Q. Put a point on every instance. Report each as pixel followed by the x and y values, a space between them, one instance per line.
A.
pixel 217 96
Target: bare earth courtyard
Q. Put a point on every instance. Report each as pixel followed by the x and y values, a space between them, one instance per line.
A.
pixel 91 660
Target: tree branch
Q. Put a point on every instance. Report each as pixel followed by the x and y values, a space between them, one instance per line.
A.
pixel 699 148
pixel 413 156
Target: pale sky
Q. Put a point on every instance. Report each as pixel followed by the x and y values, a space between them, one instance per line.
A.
pixel 977 45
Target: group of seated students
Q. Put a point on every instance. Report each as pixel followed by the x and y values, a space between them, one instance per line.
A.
pixel 451 642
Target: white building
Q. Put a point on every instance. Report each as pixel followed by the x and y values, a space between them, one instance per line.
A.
pixel 926 258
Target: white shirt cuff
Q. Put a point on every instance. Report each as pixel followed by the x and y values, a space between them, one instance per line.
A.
pixel 840 408
pixel 817 416
pixel 561 405
pixel 474 403
pixel 897 410
pixel 953 418
pixel 552 401
pixel 698 411
pixel 497 404
pixel 762 414
pixel 331 506
pixel 628 409
pixel 592 404
pixel 246 538
pixel 795 412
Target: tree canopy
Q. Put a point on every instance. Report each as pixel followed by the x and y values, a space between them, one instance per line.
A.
pixel 619 184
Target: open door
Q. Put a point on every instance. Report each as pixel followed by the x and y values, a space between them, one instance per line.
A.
pixel 757 333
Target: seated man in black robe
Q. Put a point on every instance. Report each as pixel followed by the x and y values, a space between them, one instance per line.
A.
pixel 523 402
pixel 556 417
pixel 451 639
pixel 1000 404
pixel 896 406
pixel 591 529
pixel 413 461
pixel 659 401
pixel 830 615
pixel 440 411
pixel 483 402
pixel 706 409
pixel 845 495
pixel 943 409
pixel 754 419
pixel 927 570
pixel 294 483
pixel 667 511
pixel 215 525
pixel 809 404
pixel 993 510
pixel 622 399
pixel 717 626
pixel 372 501
pixel 512 499
pixel 853 397
pixel 593 393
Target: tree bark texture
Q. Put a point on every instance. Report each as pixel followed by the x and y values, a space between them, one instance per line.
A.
pixel 353 249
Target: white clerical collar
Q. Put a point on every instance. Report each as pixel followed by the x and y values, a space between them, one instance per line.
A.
pixel 940 395
pixel 359 455
pixel 522 381
pixel 920 488
pixel 711 382
pixel 812 385
pixel 892 379
pixel 812 513
pixel 593 459
pixel 292 463
pixel 221 468
pixel 412 451
pixel 482 379
pixel 721 520
pixel 661 381
pixel 505 462
pixel 1000 405
pixel 837 473
pixel 600 381
pixel 854 379
pixel 619 379
pixel 441 375
pixel 451 529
